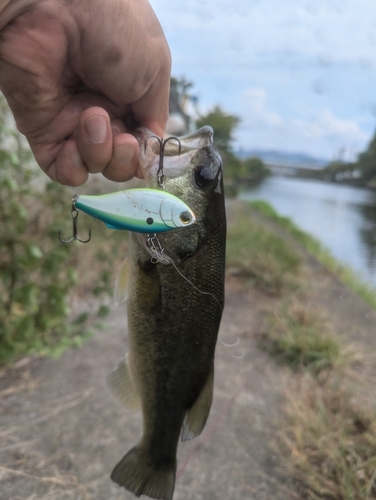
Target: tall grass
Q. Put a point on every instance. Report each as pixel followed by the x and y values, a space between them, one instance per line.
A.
pixel 300 337
pixel 330 442
pixel 259 255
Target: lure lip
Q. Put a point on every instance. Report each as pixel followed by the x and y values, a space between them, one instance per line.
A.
pixel 141 210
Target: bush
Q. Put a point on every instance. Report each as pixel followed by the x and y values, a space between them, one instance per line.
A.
pixel 37 271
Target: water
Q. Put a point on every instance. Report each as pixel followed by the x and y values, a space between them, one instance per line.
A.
pixel 341 217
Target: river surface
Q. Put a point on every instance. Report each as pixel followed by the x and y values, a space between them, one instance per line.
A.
pixel 341 217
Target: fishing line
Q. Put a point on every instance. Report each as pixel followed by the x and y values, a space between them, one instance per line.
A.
pixel 158 255
pixel 194 286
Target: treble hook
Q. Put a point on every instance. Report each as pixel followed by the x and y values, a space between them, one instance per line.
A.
pixel 155 246
pixel 75 236
pixel 162 145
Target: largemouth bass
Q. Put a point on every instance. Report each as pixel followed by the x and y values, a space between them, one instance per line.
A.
pixel 175 289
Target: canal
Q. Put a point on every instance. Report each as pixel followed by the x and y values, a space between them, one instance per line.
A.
pixel 341 217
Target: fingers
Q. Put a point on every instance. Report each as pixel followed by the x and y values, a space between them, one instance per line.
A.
pixel 94 139
pixel 124 163
pixel 68 168
pixel 152 109
pixel 98 145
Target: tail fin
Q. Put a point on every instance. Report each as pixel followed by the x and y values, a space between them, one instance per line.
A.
pixel 138 474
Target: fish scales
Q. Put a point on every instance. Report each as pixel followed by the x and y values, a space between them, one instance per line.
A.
pixel 174 313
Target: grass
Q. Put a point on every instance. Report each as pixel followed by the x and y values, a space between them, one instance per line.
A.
pixel 330 442
pixel 259 255
pixel 300 338
pixel 296 334
pixel 345 274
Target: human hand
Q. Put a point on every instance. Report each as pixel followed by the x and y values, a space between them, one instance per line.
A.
pixel 78 76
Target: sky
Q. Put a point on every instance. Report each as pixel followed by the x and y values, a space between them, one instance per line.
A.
pixel 300 74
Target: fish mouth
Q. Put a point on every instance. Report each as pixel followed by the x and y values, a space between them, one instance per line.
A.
pixel 177 151
pixel 195 140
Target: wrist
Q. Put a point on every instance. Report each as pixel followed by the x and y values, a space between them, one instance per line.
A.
pixel 10 9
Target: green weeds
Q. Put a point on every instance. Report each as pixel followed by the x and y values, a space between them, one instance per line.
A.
pixel 38 274
pixel 300 338
pixel 329 443
pixel 260 256
pixel 347 275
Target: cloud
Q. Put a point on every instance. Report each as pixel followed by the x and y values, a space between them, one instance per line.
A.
pixel 325 30
pixel 320 133
pixel 326 125
pixel 296 72
pixel 255 104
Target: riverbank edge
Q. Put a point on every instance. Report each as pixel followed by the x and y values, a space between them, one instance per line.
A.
pixel 319 251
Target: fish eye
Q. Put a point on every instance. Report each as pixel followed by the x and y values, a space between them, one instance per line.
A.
pixel 185 217
pixel 204 176
pixel 149 221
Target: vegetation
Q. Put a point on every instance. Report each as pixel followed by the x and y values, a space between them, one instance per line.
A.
pixel 367 163
pixel 224 125
pixel 300 337
pixel 38 274
pixel 295 334
pixel 254 169
pixel 329 443
pixel 361 172
pixel 349 278
pixel 259 256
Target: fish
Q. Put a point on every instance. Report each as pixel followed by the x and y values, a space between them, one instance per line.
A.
pixel 141 210
pixel 175 289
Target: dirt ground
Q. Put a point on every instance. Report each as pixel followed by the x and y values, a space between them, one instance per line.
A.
pixel 61 431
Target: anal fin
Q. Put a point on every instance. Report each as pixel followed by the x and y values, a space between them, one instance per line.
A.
pixel 196 416
pixel 121 385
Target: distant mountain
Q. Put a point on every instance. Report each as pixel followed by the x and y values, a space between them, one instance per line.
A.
pixel 283 157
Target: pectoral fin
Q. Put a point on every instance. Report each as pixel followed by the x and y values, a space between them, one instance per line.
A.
pixel 121 283
pixel 121 385
pixel 196 416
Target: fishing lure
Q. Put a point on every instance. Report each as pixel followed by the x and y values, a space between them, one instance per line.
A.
pixel 141 210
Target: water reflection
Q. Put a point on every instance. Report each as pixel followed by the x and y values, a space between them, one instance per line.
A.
pixel 368 235
pixel 342 217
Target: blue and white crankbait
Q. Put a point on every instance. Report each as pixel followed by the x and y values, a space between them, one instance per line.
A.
pixel 140 210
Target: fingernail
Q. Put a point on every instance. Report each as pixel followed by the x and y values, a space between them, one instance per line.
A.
pixel 75 158
pixel 115 130
pixel 96 129
pixel 123 155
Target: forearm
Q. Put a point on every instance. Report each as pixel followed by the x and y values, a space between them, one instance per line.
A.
pixel 9 9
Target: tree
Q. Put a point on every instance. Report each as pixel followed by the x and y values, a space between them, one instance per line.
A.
pixel 254 169
pixel 367 161
pixel 180 87
pixel 223 125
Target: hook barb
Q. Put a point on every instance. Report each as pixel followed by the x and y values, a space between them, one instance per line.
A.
pixel 74 213
pixel 162 145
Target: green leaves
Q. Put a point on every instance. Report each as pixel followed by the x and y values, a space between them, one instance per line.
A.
pixel 223 125
pixel 38 273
